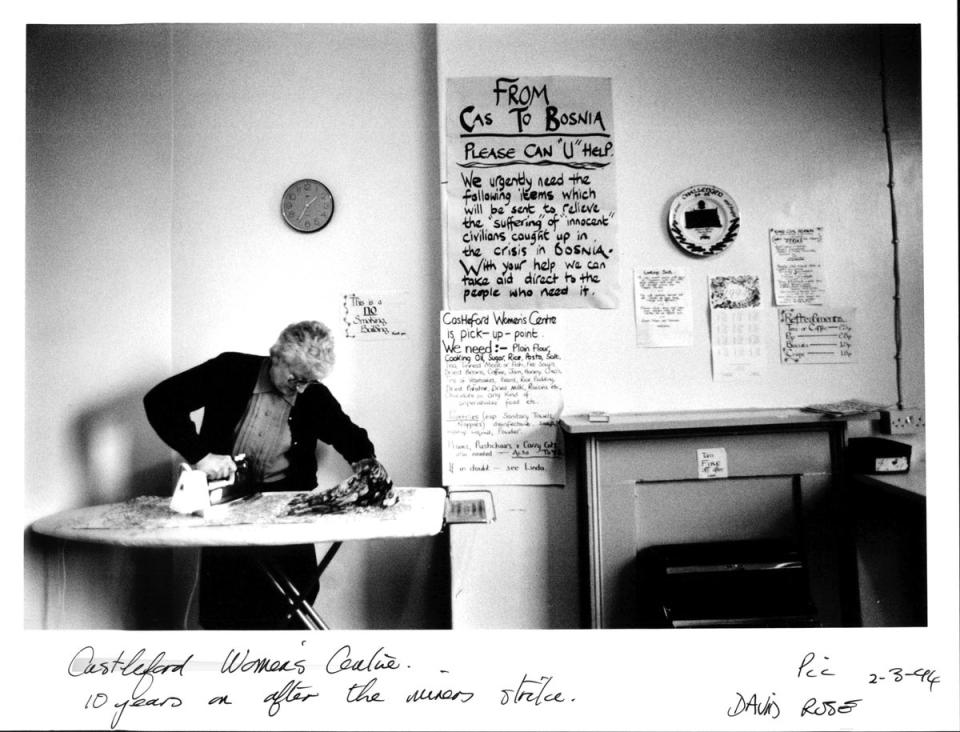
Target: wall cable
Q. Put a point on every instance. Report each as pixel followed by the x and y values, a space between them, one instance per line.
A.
pixel 193 590
pixel 897 328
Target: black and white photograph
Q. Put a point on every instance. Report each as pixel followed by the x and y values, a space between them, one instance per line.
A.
pixel 528 372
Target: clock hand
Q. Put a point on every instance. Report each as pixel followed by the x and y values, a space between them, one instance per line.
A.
pixel 306 207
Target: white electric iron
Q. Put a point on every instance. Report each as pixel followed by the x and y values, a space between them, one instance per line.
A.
pixel 195 493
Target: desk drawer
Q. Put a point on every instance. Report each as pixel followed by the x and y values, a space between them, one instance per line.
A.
pixel 675 458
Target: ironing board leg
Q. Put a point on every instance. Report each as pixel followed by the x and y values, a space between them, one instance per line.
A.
pixel 327 558
pixel 298 603
pixel 321 567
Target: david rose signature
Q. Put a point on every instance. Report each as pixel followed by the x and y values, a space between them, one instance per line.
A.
pixel 815 670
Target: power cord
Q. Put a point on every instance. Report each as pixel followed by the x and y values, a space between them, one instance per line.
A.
pixel 193 590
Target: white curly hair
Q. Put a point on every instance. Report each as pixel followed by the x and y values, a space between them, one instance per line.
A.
pixel 307 344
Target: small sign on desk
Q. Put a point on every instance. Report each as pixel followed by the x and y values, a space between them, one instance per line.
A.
pixel 878 455
pixel 712 463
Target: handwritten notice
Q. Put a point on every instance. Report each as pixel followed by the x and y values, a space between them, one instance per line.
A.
pixel 501 398
pixel 374 316
pixel 530 193
pixel 797 266
pixel 817 335
pixel 737 346
pixel 712 462
pixel 662 302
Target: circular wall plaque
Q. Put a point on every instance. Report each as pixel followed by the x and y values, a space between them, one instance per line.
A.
pixel 307 205
pixel 703 220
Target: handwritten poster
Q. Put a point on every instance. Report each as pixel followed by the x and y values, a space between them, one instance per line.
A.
pixel 662 302
pixel 712 463
pixel 797 266
pixel 817 335
pixel 737 346
pixel 375 315
pixel 530 193
pixel 501 397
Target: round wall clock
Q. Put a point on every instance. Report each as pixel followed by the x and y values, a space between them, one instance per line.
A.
pixel 703 220
pixel 307 205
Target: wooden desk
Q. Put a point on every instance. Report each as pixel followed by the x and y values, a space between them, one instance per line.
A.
pixel 635 460
pixel 890 519
pixel 911 485
pixel 258 521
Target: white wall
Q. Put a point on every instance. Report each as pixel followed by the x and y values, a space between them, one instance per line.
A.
pixel 98 293
pixel 788 121
pixel 785 119
pixel 258 107
pixel 171 147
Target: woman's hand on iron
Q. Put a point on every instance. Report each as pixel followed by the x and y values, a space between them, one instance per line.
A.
pixel 217 467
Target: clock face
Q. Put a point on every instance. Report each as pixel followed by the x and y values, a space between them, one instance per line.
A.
pixel 307 205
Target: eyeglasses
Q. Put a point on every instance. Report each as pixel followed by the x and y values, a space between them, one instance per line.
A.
pixel 296 382
pixel 287 372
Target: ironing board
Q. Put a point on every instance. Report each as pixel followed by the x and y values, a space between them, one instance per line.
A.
pixel 259 520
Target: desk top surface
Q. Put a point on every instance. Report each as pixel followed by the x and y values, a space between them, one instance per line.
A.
pixel 259 521
pixel 912 483
pixel 708 419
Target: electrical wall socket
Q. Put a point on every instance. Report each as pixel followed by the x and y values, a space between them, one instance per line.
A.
pixel 901 421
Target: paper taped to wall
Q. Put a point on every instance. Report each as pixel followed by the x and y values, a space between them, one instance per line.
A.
pixel 501 398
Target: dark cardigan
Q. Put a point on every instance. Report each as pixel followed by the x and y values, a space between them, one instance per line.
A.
pixel 223 386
